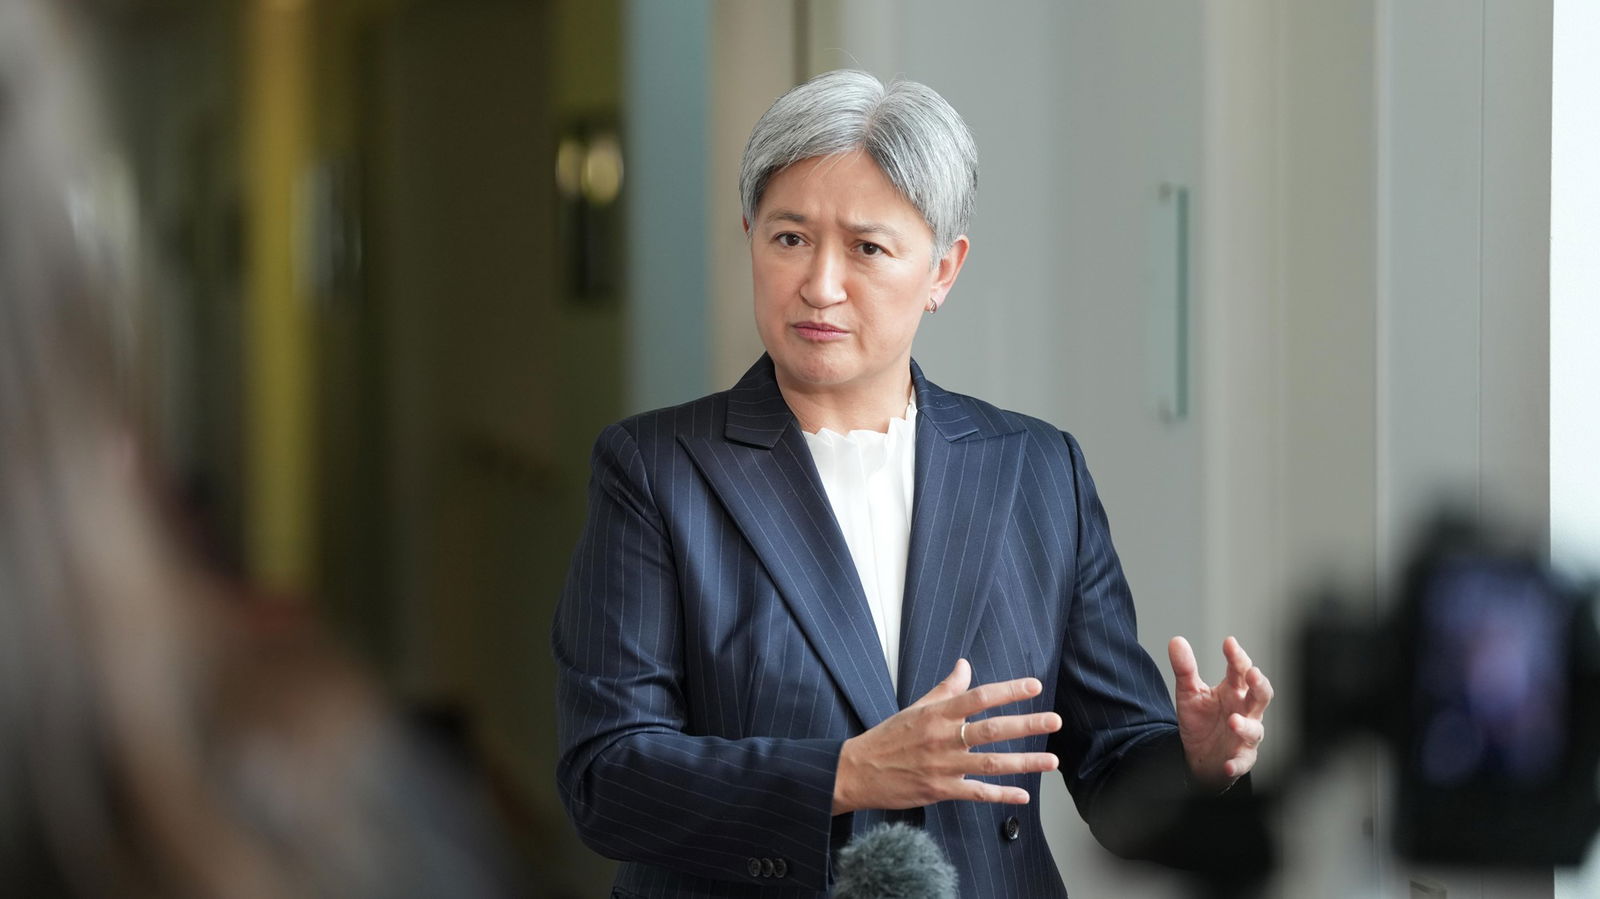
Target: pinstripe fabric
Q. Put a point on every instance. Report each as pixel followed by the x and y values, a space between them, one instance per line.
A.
pixel 714 647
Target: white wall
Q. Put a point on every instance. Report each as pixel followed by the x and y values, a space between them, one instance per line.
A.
pixel 1575 287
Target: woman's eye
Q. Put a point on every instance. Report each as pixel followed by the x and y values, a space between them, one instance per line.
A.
pixel 871 249
pixel 789 239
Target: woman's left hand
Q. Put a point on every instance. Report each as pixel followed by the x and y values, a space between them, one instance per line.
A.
pixel 1220 726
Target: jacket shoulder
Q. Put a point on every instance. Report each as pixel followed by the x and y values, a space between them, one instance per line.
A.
pixel 701 417
pixel 993 420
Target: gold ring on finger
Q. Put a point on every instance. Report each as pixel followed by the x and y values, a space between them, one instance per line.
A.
pixel 964 743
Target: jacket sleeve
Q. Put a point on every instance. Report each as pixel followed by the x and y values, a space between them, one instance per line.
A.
pixel 1119 746
pixel 636 783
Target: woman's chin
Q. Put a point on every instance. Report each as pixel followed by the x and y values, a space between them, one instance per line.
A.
pixel 813 369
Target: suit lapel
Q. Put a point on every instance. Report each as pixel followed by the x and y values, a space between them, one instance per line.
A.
pixel 763 474
pixel 966 481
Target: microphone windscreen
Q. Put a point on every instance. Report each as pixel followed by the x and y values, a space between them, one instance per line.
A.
pixel 894 861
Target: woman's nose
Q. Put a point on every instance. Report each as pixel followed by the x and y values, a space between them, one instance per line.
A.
pixel 824 284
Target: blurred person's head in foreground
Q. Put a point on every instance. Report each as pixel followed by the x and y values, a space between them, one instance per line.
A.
pixel 159 735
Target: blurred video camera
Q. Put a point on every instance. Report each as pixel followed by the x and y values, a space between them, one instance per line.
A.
pixel 1483 679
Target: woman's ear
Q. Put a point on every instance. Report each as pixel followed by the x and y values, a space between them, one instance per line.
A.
pixel 948 267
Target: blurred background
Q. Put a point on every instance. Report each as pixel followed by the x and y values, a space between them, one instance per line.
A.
pixel 1283 266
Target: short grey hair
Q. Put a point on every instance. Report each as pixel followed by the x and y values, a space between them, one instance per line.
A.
pixel 917 139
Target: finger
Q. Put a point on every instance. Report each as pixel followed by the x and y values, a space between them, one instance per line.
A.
pixel 994 764
pixel 979 791
pixel 1239 666
pixel 1250 730
pixel 1239 766
pixel 1238 660
pixel 1260 695
pixel 1185 671
pixel 954 684
pixel 990 695
pixel 1011 727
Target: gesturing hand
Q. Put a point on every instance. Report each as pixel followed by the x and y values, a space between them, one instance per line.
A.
pixel 1220 726
pixel 920 755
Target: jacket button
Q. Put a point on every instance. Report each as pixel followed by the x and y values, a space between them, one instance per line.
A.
pixel 767 867
pixel 780 868
pixel 1011 829
pixel 754 867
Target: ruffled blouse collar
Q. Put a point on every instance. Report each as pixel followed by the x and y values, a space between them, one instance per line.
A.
pixel 870 449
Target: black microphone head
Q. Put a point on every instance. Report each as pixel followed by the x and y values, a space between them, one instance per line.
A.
pixel 894 861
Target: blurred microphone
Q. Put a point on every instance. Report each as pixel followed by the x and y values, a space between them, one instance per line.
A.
pixel 894 861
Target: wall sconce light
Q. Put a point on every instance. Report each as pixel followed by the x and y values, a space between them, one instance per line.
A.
pixel 589 181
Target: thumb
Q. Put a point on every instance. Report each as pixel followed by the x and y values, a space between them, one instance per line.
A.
pixel 960 678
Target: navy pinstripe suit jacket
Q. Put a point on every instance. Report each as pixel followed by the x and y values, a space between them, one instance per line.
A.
pixel 714 647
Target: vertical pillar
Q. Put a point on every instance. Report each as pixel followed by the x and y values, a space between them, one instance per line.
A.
pixel 278 327
pixel 666 84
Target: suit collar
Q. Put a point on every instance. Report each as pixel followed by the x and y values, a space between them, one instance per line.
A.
pixel 757 413
pixel 952 415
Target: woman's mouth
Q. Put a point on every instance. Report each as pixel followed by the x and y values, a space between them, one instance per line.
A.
pixel 820 331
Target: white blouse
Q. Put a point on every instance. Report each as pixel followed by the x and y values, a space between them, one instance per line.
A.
pixel 868 476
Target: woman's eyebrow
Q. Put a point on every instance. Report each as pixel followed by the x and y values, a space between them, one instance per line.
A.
pixel 873 228
pixel 789 215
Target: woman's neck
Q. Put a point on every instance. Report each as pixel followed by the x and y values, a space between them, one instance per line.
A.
pixel 840 409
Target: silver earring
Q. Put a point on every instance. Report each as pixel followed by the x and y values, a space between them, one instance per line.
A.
pixel 932 307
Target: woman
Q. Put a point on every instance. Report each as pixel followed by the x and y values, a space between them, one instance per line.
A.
pixel 785 592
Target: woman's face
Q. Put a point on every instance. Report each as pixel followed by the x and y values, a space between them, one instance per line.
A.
pixel 842 277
